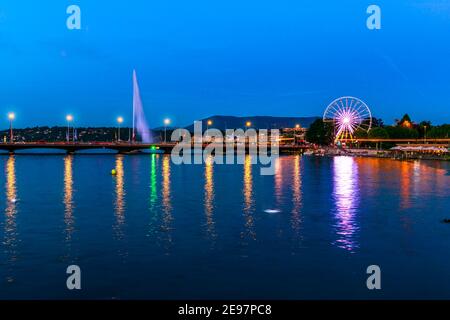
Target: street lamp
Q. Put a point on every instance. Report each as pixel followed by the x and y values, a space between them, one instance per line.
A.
pixel 69 119
pixel 11 117
pixel 166 123
pixel 208 123
pixel 297 127
pixel 119 121
pixel 425 134
pixel 248 124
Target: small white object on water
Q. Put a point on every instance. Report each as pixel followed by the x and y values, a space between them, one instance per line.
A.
pixel 13 200
pixel 272 211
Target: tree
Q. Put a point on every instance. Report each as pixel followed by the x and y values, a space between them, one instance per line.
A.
pixel 360 134
pixel 377 122
pixel 378 133
pixel 424 127
pixel 320 132
pixel 442 131
pixel 399 132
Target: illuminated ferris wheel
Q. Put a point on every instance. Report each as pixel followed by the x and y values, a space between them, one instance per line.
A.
pixel 348 115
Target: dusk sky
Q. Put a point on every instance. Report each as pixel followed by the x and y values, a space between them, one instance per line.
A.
pixel 197 58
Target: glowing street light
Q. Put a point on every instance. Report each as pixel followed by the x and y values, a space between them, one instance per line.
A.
pixel 208 123
pixel 166 123
pixel 119 121
pixel 297 126
pixel 248 124
pixel 11 117
pixel 69 119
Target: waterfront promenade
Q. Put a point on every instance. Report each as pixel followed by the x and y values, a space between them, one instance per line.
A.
pixel 127 147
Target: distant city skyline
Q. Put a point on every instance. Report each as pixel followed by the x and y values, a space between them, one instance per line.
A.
pixel 202 58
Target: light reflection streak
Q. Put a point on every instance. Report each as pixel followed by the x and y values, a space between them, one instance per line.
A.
pixel 296 194
pixel 209 194
pixel 405 181
pixel 346 199
pixel 279 182
pixel 153 199
pixel 248 197
pixel 166 198
pixel 120 196
pixel 153 187
pixel 68 196
pixel 11 234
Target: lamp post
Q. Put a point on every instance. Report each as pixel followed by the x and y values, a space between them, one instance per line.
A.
pixel 166 123
pixel 208 123
pixel 11 117
pixel 248 124
pixel 119 121
pixel 425 134
pixel 69 119
pixel 297 127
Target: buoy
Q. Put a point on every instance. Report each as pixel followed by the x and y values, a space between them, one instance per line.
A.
pixel 113 172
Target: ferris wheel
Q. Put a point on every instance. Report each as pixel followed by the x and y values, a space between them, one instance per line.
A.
pixel 348 115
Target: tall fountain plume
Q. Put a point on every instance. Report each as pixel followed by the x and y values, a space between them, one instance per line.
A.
pixel 139 122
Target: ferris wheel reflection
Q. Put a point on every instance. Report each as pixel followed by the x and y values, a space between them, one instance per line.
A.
pixel 346 200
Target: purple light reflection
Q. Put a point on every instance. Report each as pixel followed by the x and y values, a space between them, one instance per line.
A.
pixel 346 200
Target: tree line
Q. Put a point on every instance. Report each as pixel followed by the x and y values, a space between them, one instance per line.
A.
pixel 322 133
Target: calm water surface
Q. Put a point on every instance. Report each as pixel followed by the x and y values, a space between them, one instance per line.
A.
pixel 158 230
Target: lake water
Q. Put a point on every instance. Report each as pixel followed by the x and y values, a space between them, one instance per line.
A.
pixel 163 231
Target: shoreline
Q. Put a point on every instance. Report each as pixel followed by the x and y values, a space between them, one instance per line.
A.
pixel 371 153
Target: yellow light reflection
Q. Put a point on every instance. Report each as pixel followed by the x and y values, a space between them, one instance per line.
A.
pixel 296 194
pixel 120 195
pixel 68 196
pixel 166 197
pixel 209 194
pixel 248 196
pixel 10 242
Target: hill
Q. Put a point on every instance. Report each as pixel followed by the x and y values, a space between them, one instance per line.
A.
pixel 257 122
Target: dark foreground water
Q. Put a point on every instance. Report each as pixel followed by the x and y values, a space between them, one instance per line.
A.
pixel 158 230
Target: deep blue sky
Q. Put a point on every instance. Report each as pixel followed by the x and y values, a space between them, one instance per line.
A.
pixel 233 57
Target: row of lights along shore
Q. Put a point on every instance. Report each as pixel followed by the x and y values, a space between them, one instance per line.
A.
pixel 69 119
